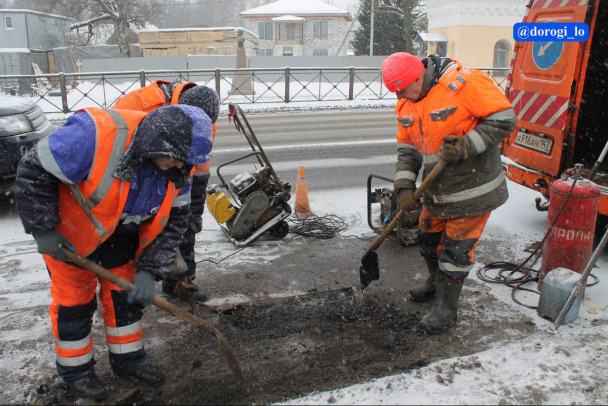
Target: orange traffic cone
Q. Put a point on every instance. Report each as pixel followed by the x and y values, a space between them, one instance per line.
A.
pixel 302 204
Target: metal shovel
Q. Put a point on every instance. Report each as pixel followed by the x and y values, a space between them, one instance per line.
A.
pixel 582 281
pixel 369 270
pixel 224 348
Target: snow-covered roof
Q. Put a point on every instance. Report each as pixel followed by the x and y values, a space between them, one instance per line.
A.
pixel 288 18
pixel 17 50
pixel 432 37
pixel 25 11
pixel 296 8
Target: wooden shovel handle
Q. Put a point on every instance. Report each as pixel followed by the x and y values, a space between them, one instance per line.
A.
pixel 163 304
pixel 128 286
pixel 423 185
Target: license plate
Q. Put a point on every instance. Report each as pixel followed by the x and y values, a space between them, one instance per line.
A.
pixel 534 142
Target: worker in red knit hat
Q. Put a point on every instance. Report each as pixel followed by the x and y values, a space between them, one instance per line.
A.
pixel 457 114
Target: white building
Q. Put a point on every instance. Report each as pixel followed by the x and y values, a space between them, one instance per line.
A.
pixel 299 27
pixel 476 33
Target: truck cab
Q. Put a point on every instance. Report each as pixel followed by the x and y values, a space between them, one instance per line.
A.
pixel 559 91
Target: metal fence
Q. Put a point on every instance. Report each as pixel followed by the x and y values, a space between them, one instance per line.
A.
pixel 69 92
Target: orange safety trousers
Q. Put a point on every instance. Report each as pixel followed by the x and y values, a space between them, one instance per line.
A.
pixel 74 303
pixel 451 241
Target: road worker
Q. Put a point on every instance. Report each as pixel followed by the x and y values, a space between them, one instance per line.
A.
pixel 458 114
pixel 153 96
pixel 113 186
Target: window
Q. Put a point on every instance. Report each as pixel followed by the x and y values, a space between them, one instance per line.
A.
pixel 288 51
pixel 290 32
pixel 501 57
pixel 320 29
pixel 8 22
pixel 265 52
pixel 320 52
pixel 265 29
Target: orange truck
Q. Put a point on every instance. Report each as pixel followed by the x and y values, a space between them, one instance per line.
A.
pixel 559 91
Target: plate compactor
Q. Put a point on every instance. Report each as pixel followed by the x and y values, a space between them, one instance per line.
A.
pixel 388 209
pixel 251 204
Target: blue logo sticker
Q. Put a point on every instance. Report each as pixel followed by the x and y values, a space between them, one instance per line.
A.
pixel 546 54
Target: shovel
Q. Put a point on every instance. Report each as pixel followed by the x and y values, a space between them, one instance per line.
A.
pixel 580 284
pixel 369 270
pixel 224 348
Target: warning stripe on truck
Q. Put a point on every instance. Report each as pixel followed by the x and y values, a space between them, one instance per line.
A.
pixel 543 109
pixel 559 3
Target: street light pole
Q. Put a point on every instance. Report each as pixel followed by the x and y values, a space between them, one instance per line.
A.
pixel 371 31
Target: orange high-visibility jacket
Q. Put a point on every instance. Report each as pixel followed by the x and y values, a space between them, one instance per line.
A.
pixel 90 210
pixel 152 97
pixel 465 103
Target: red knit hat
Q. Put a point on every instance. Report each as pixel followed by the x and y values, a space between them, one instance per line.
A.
pixel 401 69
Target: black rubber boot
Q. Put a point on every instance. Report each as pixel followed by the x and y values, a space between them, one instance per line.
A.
pixel 445 309
pixel 148 374
pixel 89 387
pixel 426 290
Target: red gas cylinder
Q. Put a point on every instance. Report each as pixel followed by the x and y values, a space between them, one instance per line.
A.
pixel 570 243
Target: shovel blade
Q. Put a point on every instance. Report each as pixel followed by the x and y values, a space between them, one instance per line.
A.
pixel 369 270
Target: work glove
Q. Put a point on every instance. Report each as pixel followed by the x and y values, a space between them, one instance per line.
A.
pixel 195 225
pixel 453 149
pixel 144 290
pixel 406 200
pixel 52 243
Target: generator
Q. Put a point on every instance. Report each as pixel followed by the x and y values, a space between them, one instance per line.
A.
pixel 382 207
pixel 251 203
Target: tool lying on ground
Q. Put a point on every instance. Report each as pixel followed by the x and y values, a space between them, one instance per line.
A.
pixel 581 282
pixel 250 205
pixel 224 348
pixel 389 207
pixel 369 270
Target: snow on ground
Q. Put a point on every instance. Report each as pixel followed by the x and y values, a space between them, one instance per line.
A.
pixel 567 366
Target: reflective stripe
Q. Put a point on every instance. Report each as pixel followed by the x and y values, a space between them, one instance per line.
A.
pixel 430 159
pixel 449 267
pixel 101 191
pixel 73 345
pixel 182 200
pixel 48 161
pixel 203 173
pixel 125 330
pixel 406 146
pixel 471 193
pixel 125 348
pixel 75 361
pixel 408 175
pixel 476 141
pixel 120 142
pixel 502 115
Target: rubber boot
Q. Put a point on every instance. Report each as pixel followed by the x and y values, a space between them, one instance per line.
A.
pixel 444 311
pixel 89 387
pixel 148 374
pixel 169 285
pixel 426 290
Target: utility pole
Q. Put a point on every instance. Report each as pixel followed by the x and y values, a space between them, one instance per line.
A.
pixel 371 30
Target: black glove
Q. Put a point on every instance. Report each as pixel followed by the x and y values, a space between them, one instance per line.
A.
pixel 406 200
pixel 52 243
pixel 453 149
pixel 144 290
pixel 195 225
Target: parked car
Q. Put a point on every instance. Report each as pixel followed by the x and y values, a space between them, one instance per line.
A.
pixel 22 124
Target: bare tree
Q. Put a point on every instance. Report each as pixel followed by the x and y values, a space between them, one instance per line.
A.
pixel 123 14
